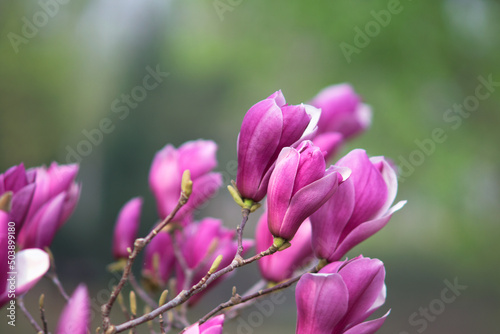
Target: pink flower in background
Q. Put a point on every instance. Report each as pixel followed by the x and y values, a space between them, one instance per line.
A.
pixel 201 243
pixel 166 172
pixel 281 265
pixel 341 297
pixel 341 111
pixel 299 185
pixel 360 207
pixel 267 127
pixel 212 326
pixel 43 204
pixel 126 227
pixel 159 259
pixel 75 317
pixel 30 264
pixel 330 143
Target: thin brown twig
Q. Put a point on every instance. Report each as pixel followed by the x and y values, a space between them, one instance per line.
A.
pixel 36 326
pixel 138 247
pixel 42 314
pixel 242 300
pixel 245 213
pixel 141 292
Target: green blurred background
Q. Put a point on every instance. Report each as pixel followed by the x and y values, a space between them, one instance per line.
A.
pixel 63 64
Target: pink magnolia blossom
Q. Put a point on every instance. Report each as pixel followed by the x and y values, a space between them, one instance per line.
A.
pixel 200 244
pixel 360 207
pixel 126 228
pixel 166 172
pixel 299 185
pixel 43 199
pixel 267 127
pixel 339 298
pixel 341 111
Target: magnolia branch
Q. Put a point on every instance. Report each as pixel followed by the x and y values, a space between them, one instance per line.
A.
pixel 138 247
pixel 200 286
pixel 236 299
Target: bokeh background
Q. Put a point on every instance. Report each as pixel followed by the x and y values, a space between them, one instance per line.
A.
pixel 60 76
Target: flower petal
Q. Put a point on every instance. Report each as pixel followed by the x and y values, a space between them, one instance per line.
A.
pixel 368 327
pixel 32 264
pixel 363 232
pixel 322 301
pixel 364 279
pixel 204 188
pixel 75 318
pixel 329 221
pixel 370 187
pixel 280 188
pixel 199 156
pixel 309 199
pixel 257 143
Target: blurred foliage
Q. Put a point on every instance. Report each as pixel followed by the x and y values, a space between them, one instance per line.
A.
pixel 64 80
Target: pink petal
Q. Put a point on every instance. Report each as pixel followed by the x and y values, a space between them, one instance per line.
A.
pixel 363 232
pixel 198 156
pixel 330 143
pixel 258 141
pixel 204 188
pixel 165 179
pixel 281 187
pixel 322 301
pixel 44 225
pixel 364 279
pixel 75 318
pixel 370 187
pixel 127 225
pixel 368 327
pixel 31 265
pixel 309 199
pixel 329 221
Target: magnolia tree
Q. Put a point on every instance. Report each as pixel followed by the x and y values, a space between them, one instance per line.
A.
pixel 313 215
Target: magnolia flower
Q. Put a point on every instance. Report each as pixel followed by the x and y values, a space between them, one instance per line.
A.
pixel 126 228
pixel 281 265
pixel 43 199
pixel 166 172
pixel 299 185
pixel 75 317
pixel 200 244
pixel 212 326
pixel 267 127
pixel 341 111
pixel 339 298
pixel 360 207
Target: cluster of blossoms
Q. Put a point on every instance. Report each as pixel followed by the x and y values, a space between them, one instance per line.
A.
pixel 312 211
